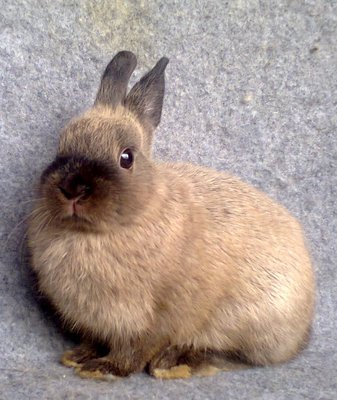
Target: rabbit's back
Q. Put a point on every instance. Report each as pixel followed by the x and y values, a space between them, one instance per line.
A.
pixel 242 224
pixel 257 251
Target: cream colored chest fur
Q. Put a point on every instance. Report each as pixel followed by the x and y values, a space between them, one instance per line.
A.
pixel 90 285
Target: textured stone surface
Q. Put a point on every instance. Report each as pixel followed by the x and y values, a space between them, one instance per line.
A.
pixel 251 88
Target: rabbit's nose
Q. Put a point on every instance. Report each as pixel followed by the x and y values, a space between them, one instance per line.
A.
pixel 75 188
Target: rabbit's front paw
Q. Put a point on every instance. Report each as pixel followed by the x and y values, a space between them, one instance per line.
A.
pixel 181 371
pixel 99 368
pixel 164 365
pixel 78 356
pixel 106 368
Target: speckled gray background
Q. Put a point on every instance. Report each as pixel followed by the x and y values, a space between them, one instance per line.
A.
pixel 251 88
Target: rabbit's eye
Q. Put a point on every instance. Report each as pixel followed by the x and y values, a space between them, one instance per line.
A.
pixel 126 159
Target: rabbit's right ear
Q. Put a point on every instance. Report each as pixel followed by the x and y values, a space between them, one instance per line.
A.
pixel 115 79
pixel 146 97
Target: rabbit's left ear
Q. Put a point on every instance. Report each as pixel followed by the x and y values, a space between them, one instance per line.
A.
pixel 146 97
pixel 115 79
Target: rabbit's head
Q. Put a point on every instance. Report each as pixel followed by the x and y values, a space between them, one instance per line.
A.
pixel 103 168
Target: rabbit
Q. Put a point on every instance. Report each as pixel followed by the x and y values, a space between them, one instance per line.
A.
pixel 163 267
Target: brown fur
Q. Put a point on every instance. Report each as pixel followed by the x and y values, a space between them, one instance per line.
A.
pixel 167 254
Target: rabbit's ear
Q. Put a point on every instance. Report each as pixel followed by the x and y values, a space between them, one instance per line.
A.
pixel 115 79
pixel 146 97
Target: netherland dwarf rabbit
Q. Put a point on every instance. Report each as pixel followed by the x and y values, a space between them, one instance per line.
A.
pixel 166 265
